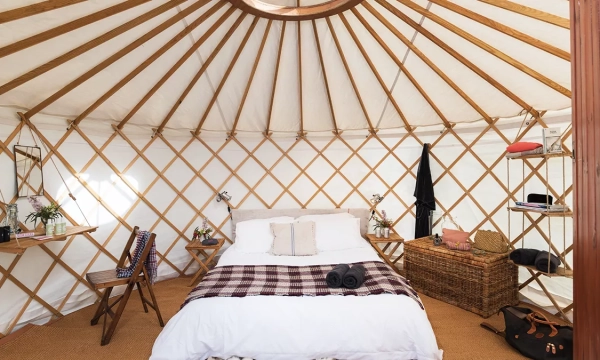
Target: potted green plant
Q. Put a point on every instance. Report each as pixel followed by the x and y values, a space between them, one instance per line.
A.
pixel 42 213
pixel 382 225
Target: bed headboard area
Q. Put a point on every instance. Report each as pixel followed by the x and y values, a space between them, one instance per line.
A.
pixel 238 215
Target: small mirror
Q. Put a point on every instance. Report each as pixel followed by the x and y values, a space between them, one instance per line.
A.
pixel 28 166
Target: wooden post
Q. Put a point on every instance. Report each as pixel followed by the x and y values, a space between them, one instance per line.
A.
pixel 585 50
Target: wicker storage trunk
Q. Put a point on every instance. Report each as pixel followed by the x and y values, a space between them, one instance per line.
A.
pixel 481 284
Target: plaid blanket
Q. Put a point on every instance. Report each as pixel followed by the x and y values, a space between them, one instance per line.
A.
pixel 149 265
pixel 253 280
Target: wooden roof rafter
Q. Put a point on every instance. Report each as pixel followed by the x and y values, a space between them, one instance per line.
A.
pixel 336 130
pixel 88 46
pixel 34 9
pixel 403 68
pixel 226 75
pixel 301 132
pixel 70 26
pixel 425 59
pixel 530 12
pixel 372 130
pixel 201 71
pixel 565 55
pixel 281 38
pixel 384 87
pixel 183 58
pixel 455 54
pixel 162 50
pixel 251 78
pixel 116 56
pixel 490 49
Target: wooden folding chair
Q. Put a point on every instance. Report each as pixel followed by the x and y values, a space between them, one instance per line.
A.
pixel 108 280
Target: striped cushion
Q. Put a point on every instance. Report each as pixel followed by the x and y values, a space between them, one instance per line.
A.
pixel 466 246
pixel 295 239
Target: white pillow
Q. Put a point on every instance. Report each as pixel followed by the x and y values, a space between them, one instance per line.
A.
pixel 338 234
pixel 325 217
pixel 255 236
pixel 295 239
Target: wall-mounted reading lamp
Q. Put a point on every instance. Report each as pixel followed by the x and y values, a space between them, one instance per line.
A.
pixel 223 195
pixel 376 199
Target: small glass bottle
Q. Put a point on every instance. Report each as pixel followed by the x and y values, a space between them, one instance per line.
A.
pixel 12 214
pixel 50 228
pixel 58 228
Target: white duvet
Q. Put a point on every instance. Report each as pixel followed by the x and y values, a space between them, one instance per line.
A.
pixel 377 327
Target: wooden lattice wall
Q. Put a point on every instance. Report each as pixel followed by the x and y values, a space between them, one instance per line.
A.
pixel 166 182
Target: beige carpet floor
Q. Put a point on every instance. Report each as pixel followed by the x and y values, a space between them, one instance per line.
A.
pixel 458 332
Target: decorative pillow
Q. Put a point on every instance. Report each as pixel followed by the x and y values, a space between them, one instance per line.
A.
pixel 296 239
pixel 522 146
pixel 325 217
pixel 454 236
pixel 255 236
pixel 338 234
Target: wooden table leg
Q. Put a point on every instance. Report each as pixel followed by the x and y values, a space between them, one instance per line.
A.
pixel 203 264
pixel 208 256
pixel 199 272
pixel 385 258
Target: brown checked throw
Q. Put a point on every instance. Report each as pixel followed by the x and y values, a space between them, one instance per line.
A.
pixel 279 280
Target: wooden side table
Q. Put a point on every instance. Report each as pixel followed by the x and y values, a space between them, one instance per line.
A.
pixel 393 239
pixel 196 248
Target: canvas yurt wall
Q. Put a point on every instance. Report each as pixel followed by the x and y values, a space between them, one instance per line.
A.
pixel 151 122
pixel 165 183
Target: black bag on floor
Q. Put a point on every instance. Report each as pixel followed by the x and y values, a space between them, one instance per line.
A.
pixel 534 336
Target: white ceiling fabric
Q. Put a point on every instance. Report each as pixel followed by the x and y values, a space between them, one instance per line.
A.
pixel 297 104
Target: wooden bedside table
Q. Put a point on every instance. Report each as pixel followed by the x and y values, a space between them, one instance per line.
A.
pixel 393 239
pixel 196 248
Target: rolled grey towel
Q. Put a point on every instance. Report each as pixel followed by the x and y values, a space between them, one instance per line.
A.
pixel 541 262
pixel 355 277
pixel 524 256
pixel 335 277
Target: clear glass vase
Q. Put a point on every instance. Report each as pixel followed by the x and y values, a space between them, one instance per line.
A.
pixel 12 216
pixel 449 222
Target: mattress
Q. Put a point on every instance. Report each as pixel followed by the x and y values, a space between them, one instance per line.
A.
pixel 378 327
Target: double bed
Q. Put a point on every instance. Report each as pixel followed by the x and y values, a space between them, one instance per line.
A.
pixel 383 326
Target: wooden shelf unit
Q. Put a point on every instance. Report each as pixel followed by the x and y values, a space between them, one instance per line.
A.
pixel 564 270
pixel 567 213
pixel 19 247
pixel 541 156
pixel 560 271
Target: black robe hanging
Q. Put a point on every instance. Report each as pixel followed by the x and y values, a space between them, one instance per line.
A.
pixel 424 194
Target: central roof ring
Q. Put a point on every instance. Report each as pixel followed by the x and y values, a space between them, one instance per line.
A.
pixel 294 13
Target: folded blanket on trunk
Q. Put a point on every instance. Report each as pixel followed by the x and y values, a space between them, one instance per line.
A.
pixel 524 256
pixel 355 277
pixel 335 277
pixel 541 262
pixel 281 280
